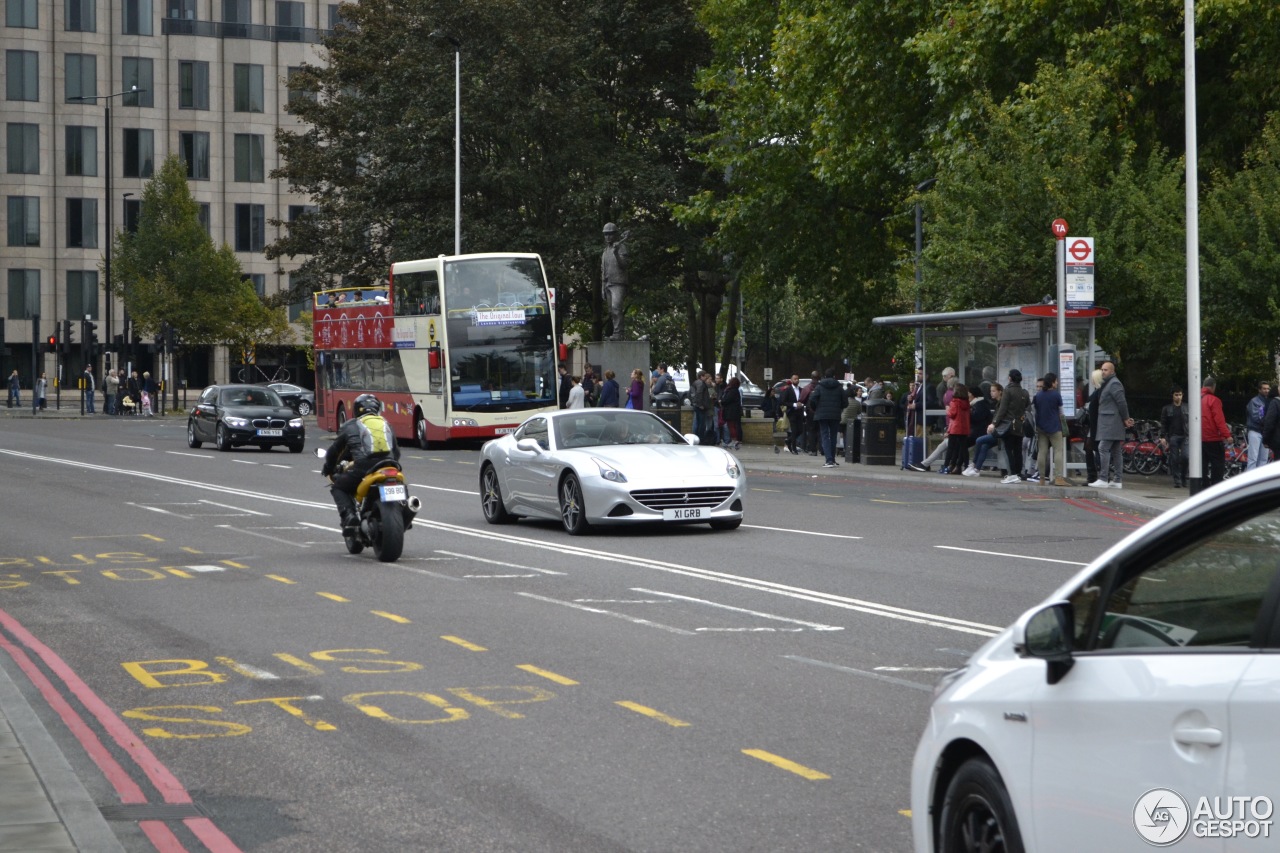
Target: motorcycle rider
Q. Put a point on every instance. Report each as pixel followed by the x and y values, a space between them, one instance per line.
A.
pixel 367 440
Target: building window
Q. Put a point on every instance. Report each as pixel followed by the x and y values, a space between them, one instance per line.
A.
pixel 82 294
pixel 248 147
pixel 184 9
pixel 22 75
pixel 138 72
pixel 193 85
pixel 206 217
pixel 24 294
pixel 82 223
pixel 259 281
pixel 82 77
pixel 132 213
pixel 295 93
pixel 82 16
pixel 296 309
pixel 195 152
pixel 23 147
pixel 21 13
pixel 82 151
pixel 139 152
pixel 251 227
pixel 236 12
pixel 24 220
pixel 248 85
pixel 335 16
pixel 137 18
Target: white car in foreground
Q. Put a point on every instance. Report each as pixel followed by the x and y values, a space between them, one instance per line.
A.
pixel 588 467
pixel 1138 706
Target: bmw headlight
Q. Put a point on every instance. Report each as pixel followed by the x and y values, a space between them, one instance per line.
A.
pixel 608 472
pixel 295 423
pixel 238 423
pixel 731 466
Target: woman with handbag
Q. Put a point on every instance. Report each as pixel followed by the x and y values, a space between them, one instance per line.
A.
pixel 635 393
pixel 1091 459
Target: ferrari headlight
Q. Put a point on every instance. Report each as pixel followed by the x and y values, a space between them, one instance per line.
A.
pixel 608 472
pixel 731 466
pixel 238 423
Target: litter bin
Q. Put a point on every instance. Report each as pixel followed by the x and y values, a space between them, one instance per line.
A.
pixel 671 416
pixel 879 433
pixel 853 441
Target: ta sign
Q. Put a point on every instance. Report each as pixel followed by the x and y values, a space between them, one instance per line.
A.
pixel 1059 228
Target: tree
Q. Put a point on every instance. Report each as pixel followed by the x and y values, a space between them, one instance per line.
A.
pixel 168 271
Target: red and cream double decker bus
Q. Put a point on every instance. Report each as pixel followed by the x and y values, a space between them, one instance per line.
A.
pixel 454 347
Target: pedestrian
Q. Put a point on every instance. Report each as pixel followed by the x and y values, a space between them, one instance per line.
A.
pixel 849 418
pixel 958 411
pixel 700 400
pixel 948 386
pixel 566 383
pixel 987 438
pixel 150 395
pixel 1271 423
pixel 1214 433
pixel 811 423
pixel 1255 411
pixel 15 387
pixel 662 382
pixel 731 410
pixel 1049 431
pixel 1113 420
pixel 135 392
pixel 590 388
pixel 769 406
pixel 87 386
pixel 42 391
pixel 1173 435
pixel 1091 462
pixel 110 391
pixel 635 392
pixel 718 387
pixel 791 406
pixel 1007 424
pixel 577 397
pixel 827 402
pixel 609 391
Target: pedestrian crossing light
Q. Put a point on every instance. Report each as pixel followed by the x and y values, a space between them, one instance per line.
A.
pixel 52 344
pixel 90 333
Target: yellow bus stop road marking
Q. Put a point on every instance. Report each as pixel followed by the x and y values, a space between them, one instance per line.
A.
pixel 551 676
pixel 393 617
pixel 333 597
pixel 279 578
pixel 461 642
pixel 779 761
pixel 821 495
pixel 649 712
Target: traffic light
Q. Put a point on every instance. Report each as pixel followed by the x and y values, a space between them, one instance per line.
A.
pixel 51 344
pixel 68 335
pixel 90 333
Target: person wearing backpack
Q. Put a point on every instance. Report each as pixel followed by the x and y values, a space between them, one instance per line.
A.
pixel 1255 412
pixel 700 399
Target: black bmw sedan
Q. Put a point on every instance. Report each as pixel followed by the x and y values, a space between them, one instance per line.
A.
pixel 234 415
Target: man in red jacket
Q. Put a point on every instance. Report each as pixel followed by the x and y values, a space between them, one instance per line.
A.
pixel 1213 432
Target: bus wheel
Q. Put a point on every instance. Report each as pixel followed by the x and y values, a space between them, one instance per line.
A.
pixel 420 430
pixel 341 416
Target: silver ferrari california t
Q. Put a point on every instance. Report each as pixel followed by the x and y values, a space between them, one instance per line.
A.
pixel 608 466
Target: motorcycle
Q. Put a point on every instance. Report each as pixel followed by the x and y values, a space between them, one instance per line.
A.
pixel 386 511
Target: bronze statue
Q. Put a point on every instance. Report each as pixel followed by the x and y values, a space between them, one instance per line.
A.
pixel 613 275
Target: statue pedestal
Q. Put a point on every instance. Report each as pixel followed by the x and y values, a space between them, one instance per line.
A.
pixel 621 357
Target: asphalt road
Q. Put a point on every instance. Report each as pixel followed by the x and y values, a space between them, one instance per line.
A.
pixel 500 688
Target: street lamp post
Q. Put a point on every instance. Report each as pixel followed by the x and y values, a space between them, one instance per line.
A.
pixel 920 187
pixel 134 90
pixel 457 137
pixel 127 338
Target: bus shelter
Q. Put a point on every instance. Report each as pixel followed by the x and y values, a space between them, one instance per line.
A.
pixel 984 344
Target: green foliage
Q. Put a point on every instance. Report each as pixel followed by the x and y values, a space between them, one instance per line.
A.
pixel 168 270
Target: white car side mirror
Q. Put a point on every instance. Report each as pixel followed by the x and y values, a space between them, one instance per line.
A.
pixel 691 438
pixel 529 444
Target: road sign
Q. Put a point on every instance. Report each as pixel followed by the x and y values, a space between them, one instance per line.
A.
pixel 1080 250
pixel 1079 268
pixel 1059 228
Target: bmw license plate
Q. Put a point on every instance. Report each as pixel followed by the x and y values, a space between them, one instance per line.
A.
pixel 698 513
pixel 393 493
pixel 270 433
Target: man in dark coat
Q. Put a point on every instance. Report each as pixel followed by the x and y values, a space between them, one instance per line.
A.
pixel 827 402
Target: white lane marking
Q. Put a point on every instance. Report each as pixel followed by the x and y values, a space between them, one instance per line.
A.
pixel 889 678
pixel 619 601
pixel 914 668
pixel 134 447
pixel 443 489
pixel 805 532
pixel 646 622
pixel 156 509
pixel 278 465
pixel 328 528
pixel 860 605
pixel 817 626
pixel 435 575
pixel 751 630
pixel 190 455
pixel 502 576
pixel 235 508
pixel 262 535
pixel 497 563
pixel 204 568
pixel 1011 556
pixel 244 462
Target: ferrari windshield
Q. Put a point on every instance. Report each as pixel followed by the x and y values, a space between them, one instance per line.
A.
pixel 603 428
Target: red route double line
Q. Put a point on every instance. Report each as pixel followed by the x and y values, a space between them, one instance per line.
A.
pixel 130 793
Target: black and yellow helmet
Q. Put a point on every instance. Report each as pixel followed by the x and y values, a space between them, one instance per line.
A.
pixel 365 404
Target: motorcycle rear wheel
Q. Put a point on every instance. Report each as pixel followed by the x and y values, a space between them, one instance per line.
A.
pixel 388 544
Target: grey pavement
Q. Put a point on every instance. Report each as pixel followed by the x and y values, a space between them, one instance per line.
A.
pixel 44 805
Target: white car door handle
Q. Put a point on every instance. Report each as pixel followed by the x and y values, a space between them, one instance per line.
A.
pixel 1206 736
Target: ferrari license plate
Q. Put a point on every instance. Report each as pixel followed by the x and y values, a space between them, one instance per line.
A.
pixel 393 493
pixel 699 513
pixel 270 433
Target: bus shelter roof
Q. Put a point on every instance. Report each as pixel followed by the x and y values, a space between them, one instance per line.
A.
pixel 959 318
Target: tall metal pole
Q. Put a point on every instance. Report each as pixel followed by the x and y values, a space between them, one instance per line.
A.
pixel 457 148
pixel 1196 481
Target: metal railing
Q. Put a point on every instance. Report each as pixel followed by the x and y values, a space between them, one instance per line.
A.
pixel 229 30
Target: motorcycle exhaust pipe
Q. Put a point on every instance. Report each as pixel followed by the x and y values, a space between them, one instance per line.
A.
pixel 412 507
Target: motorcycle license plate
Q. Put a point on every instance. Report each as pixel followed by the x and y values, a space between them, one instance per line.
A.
pixel 270 433
pixel 698 513
pixel 393 493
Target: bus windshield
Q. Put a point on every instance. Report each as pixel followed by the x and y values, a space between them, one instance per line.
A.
pixel 501 352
